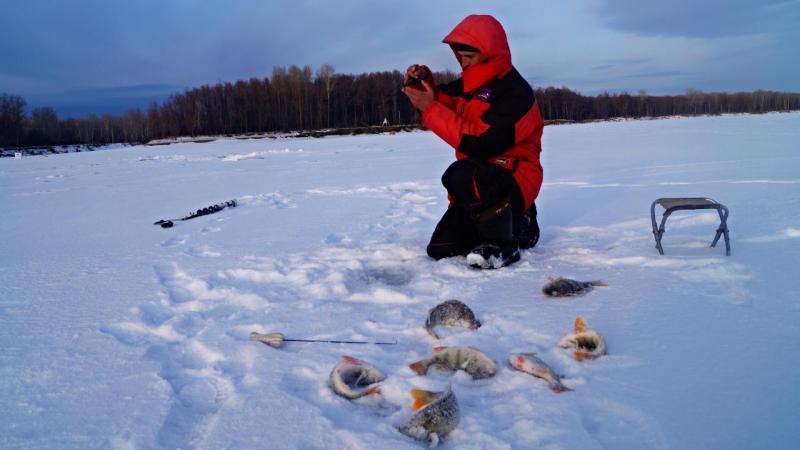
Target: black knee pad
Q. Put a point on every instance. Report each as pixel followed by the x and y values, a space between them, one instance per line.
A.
pixel 459 175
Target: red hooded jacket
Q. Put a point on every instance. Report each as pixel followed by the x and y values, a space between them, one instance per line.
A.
pixel 490 113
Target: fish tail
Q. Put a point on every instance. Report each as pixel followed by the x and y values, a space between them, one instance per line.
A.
pixel 350 359
pixel 419 367
pixel 559 388
pixel 421 398
pixel 580 325
pixel 581 355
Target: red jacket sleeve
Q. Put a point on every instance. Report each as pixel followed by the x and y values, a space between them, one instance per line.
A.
pixel 447 100
pixel 489 127
pixel 449 125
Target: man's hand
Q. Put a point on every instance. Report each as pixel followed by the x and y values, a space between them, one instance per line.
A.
pixel 421 98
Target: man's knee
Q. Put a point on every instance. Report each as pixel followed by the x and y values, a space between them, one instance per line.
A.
pixel 461 173
pixel 459 180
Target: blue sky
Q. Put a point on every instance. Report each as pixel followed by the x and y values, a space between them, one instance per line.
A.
pixel 99 56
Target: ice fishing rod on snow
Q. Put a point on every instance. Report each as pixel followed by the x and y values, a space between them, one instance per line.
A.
pixel 276 340
pixel 200 212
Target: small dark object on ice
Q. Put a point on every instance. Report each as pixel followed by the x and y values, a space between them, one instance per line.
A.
pixel 200 212
pixel 563 287
pixel 451 313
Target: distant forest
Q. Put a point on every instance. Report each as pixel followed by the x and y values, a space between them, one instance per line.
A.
pixel 296 98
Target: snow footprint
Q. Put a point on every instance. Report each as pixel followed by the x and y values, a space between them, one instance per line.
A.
pixel 175 241
pixel 179 332
pixel 616 425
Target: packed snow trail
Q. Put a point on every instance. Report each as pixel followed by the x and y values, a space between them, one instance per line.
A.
pixel 121 334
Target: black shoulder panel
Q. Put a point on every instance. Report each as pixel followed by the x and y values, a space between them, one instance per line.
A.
pixel 511 98
pixel 453 88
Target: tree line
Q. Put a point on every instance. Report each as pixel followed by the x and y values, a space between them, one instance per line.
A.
pixel 296 98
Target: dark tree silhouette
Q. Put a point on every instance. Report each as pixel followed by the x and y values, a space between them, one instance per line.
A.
pixel 296 98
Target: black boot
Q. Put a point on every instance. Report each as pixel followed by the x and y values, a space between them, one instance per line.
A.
pixel 495 228
pixel 526 228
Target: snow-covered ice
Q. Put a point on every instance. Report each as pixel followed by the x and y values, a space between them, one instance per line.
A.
pixel 119 334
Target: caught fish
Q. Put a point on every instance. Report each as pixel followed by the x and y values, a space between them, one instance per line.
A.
pixel 468 359
pixel 563 287
pixel 531 364
pixel 451 313
pixel 436 415
pixel 352 378
pixel 588 344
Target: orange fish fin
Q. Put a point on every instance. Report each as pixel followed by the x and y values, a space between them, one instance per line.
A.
pixel 374 390
pixel 581 356
pixel 580 324
pixel 421 398
pixel 418 367
pixel 440 348
pixel 350 359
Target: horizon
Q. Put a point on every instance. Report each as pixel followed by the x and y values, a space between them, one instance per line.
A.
pixel 110 65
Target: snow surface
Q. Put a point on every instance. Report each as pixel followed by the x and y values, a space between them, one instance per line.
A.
pixel 119 334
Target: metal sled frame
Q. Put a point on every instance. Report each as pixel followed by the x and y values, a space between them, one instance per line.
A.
pixel 671 205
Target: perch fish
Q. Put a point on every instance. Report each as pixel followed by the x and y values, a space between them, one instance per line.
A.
pixel 436 415
pixel 352 378
pixel 588 344
pixel 451 313
pixel 468 359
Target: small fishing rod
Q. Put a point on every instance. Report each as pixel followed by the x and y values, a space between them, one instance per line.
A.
pixel 276 340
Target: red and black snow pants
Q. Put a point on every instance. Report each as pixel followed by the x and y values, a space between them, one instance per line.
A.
pixel 473 186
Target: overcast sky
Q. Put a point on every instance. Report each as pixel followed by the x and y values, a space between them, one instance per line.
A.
pixel 99 56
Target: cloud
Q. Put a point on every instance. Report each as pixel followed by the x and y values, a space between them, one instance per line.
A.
pixel 55 48
pixel 112 100
pixel 696 18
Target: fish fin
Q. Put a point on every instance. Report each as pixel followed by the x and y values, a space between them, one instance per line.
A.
pixel 550 278
pixel 561 388
pixel 418 367
pixel 440 348
pixel 582 356
pixel 520 361
pixel 421 398
pixel 580 325
pixel 350 359
pixel 599 283
pixel 373 390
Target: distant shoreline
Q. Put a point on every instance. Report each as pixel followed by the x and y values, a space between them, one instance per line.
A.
pixel 349 131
